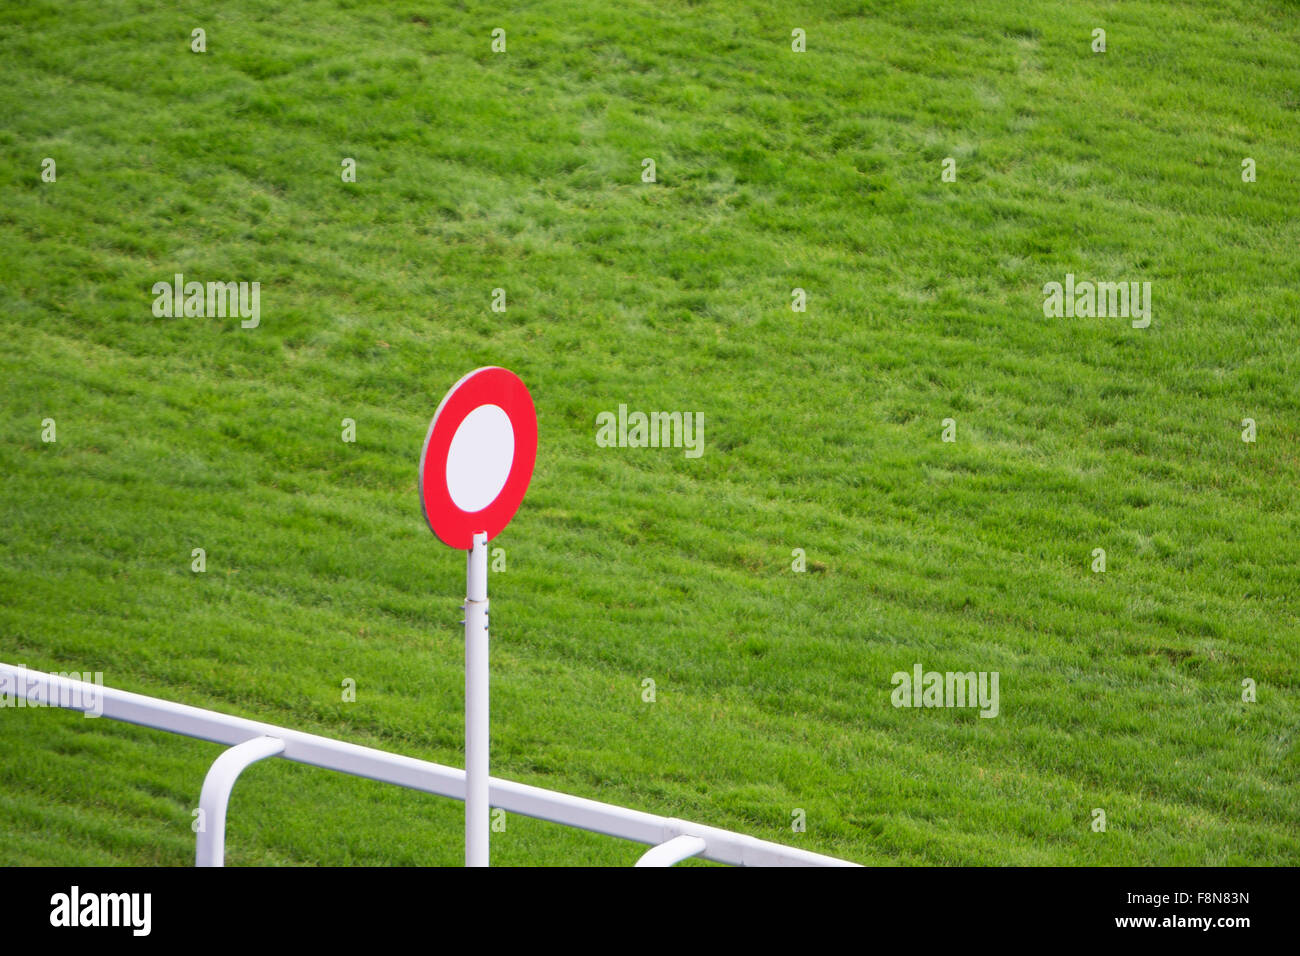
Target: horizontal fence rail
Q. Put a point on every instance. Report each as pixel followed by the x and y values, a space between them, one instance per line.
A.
pixel 721 846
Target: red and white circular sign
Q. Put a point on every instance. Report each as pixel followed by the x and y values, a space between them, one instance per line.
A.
pixel 478 456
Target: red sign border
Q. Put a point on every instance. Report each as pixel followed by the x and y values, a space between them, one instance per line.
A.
pixel 490 385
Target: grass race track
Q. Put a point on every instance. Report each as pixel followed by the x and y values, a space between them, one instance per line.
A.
pixel 1120 690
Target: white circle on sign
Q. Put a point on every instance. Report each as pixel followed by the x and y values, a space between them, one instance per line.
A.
pixel 480 456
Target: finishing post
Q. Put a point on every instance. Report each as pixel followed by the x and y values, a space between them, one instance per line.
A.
pixel 477 824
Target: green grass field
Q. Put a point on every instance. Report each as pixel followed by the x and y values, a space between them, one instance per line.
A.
pixel 776 170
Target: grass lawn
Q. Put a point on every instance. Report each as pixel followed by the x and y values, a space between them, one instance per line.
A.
pixel 1119 691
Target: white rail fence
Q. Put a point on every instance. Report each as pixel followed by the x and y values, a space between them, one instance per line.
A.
pixel 671 840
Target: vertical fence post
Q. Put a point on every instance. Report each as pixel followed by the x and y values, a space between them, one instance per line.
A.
pixel 210 846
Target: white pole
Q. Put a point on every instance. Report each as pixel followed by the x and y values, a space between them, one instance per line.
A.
pixel 477 824
pixel 210 847
pixel 673 851
pixel 96 700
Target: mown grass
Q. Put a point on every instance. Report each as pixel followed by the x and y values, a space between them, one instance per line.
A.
pixel 776 170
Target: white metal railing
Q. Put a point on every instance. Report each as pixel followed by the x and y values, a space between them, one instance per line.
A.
pixel 671 840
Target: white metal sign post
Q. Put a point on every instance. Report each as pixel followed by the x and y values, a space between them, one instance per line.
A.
pixel 475 467
pixel 476 705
